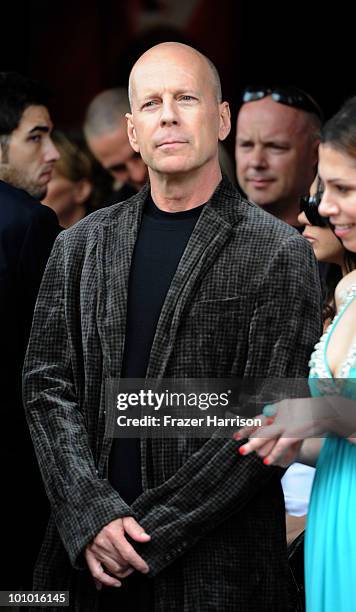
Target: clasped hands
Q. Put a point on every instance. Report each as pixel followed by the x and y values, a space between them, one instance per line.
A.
pixel 111 556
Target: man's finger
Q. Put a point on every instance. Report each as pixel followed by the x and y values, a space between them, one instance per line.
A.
pixel 130 556
pixel 98 573
pixel 134 530
pixel 115 567
pixel 103 553
pixel 127 572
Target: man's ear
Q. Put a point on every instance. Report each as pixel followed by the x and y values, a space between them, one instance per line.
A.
pixel 225 120
pixel 316 153
pixel 131 132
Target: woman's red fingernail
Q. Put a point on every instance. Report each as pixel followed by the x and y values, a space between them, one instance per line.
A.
pixel 266 461
pixel 242 450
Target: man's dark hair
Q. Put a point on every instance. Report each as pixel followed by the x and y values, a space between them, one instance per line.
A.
pixel 17 92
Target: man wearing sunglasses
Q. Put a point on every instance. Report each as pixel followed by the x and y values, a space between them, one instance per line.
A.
pixel 105 130
pixel 276 152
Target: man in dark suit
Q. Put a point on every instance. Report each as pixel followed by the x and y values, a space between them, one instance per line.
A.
pixel 27 232
pixel 184 280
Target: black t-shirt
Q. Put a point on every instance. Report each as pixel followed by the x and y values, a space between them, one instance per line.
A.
pixel 160 244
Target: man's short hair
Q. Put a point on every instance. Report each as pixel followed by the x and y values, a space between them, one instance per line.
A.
pixel 17 92
pixel 105 111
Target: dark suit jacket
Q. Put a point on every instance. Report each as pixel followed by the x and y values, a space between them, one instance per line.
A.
pixel 244 301
pixel 27 232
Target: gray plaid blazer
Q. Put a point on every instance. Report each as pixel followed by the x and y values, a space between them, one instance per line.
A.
pixel 244 301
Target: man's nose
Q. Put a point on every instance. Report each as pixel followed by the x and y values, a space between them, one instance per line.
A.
pixel 169 115
pixel 257 158
pixel 51 152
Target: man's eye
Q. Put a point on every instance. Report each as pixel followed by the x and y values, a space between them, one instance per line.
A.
pixel 149 103
pixel 35 138
pixel 278 147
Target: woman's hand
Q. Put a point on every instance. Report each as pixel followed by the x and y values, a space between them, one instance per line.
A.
pixel 279 439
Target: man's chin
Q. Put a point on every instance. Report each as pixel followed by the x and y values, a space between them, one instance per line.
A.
pixel 173 165
pixel 37 192
pixel 259 198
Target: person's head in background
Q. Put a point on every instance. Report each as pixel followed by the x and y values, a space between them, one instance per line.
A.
pixel 277 138
pixel 326 246
pixel 70 189
pixel 227 163
pixel 105 130
pixel 337 170
pixel 27 153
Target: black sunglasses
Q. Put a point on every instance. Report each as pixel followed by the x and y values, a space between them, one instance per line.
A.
pixel 309 206
pixel 291 96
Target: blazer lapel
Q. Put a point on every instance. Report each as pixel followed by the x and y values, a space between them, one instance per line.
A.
pixel 211 232
pixel 115 249
pixel 116 243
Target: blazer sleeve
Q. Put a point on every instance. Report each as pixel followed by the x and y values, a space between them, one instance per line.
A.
pixel 216 481
pixel 36 247
pixel 81 502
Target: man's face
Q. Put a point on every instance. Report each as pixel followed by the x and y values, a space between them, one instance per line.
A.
pixel 276 155
pixel 31 153
pixel 114 152
pixel 176 119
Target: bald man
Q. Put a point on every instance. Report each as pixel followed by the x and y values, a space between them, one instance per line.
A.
pixel 106 135
pixel 184 280
pixel 277 138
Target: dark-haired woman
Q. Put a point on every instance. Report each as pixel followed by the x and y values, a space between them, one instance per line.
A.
pixel 330 551
pixel 326 246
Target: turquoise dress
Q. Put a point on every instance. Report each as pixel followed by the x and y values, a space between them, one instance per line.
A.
pixel 330 541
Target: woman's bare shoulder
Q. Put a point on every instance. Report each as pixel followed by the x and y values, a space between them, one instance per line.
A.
pixel 344 287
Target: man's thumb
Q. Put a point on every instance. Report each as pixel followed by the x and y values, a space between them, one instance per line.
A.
pixel 134 530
